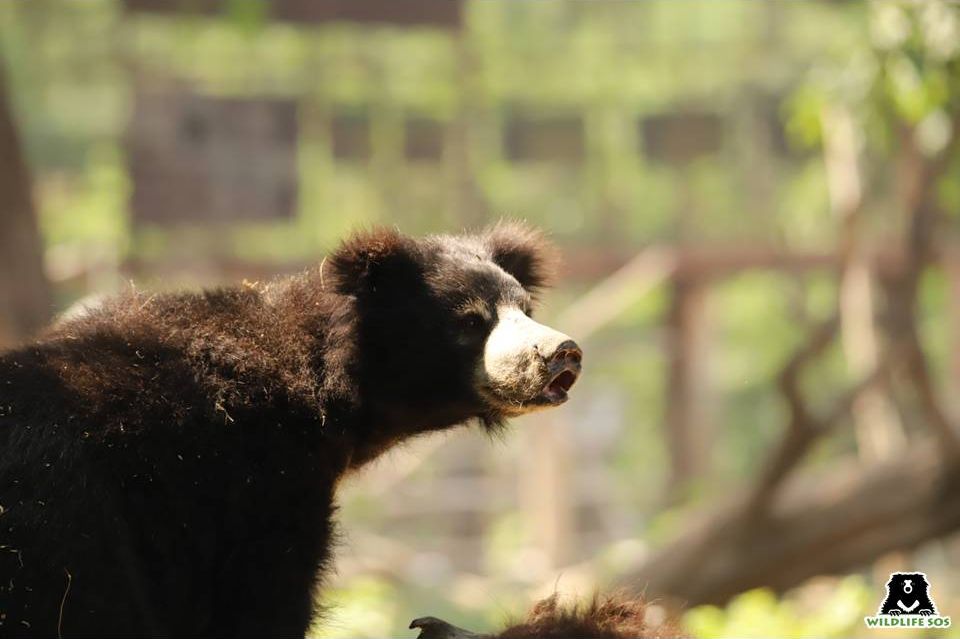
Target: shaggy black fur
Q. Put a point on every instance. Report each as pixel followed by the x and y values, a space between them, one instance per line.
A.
pixel 611 616
pixel 168 462
pixel 915 597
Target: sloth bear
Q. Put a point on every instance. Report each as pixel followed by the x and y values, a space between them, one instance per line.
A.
pixel 168 462
pixel 608 617
pixel 908 593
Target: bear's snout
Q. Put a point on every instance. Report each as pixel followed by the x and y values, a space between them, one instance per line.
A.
pixel 527 365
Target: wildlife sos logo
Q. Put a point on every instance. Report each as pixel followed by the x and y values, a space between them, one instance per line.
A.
pixel 908 604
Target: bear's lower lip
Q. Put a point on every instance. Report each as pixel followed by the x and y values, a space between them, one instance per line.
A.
pixel 557 389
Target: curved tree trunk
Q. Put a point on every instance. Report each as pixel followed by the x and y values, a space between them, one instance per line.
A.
pixel 820 525
pixel 789 527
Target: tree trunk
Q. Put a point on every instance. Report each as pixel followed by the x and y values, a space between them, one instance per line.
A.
pixel 25 302
pixel 821 525
pixel 688 424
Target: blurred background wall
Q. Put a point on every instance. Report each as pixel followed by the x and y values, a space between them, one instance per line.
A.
pixel 756 204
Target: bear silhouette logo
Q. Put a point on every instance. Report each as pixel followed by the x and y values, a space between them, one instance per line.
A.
pixel 908 593
pixel 908 604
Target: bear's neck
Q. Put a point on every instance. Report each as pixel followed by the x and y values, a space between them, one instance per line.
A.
pixel 384 426
pixel 363 418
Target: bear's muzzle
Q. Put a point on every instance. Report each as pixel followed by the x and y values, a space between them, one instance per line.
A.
pixel 526 365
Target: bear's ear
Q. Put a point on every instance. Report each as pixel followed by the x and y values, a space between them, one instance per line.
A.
pixel 523 252
pixel 373 259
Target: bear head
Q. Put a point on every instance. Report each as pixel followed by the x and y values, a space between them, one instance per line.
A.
pixel 444 325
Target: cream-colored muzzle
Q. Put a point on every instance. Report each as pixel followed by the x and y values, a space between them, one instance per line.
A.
pixel 521 361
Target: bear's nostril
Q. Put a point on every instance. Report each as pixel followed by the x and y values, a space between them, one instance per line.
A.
pixel 568 351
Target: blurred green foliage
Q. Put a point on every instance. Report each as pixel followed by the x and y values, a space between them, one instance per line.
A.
pixel 74 69
pixel 759 613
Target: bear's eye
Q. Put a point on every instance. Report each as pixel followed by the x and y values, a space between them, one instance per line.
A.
pixel 474 321
pixel 474 324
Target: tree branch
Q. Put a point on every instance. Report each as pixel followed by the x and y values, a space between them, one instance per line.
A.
pixel 822 525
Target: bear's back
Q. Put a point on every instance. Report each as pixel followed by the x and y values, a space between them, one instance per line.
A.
pixel 155 436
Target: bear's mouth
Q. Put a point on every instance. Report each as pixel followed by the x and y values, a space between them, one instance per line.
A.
pixel 556 390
